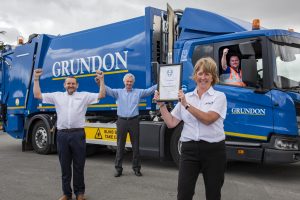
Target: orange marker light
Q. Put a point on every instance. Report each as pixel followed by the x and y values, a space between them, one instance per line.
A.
pixel 241 151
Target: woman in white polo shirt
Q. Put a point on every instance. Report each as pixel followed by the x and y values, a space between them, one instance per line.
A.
pixel 203 147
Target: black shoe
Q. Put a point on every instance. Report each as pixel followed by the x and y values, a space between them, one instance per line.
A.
pixel 118 174
pixel 138 173
pixel 65 197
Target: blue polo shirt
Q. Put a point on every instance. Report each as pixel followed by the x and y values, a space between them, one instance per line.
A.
pixel 128 101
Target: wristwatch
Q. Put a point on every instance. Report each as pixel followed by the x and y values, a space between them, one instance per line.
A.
pixel 187 106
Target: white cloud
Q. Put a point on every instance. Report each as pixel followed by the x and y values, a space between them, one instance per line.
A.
pixel 62 17
pixel 10 34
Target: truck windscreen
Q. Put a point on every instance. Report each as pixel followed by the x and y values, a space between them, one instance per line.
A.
pixel 287 60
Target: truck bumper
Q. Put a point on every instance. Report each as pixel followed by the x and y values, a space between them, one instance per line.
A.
pixel 279 156
pixel 248 154
pixel 262 155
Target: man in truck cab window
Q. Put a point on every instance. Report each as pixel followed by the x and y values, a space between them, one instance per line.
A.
pixel 232 74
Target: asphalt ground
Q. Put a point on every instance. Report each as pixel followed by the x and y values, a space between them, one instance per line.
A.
pixel 30 176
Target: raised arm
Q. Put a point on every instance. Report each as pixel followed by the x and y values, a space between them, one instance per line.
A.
pixel 149 91
pixel 36 84
pixel 168 118
pixel 100 77
pixel 223 59
pixel 108 91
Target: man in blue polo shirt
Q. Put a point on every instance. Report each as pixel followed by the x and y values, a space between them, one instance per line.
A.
pixel 128 99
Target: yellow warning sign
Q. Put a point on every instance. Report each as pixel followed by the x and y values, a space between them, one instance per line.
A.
pixel 98 134
pixel 106 134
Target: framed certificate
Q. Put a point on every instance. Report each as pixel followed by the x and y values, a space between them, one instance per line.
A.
pixel 169 82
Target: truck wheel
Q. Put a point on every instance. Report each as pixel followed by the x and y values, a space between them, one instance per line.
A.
pixel 41 138
pixel 175 144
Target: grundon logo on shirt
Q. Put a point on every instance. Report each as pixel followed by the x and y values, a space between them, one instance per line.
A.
pixel 248 111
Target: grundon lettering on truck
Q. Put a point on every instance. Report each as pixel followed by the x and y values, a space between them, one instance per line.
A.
pixel 108 62
pixel 263 119
pixel 248 111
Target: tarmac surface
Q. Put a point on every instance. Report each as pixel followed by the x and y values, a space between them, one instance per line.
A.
pixel 30 176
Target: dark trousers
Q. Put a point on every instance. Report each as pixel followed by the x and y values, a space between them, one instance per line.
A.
pixel 71 147
pixel 123 127
pixel 206 158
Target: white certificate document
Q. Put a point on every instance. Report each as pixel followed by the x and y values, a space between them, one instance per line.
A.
pixel 169 82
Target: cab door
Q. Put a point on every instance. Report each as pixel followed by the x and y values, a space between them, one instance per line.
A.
pixel 249 109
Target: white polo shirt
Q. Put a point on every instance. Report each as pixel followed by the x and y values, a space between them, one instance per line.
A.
pixel 195 130
pixel 70 109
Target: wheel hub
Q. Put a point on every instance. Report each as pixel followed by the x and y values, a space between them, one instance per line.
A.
pixel 41 137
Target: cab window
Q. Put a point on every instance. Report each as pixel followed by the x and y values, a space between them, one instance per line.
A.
pixel 202 51
pixel 231 59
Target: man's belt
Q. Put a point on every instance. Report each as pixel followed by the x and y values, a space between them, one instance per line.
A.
pixel 68 130
pixel 128 118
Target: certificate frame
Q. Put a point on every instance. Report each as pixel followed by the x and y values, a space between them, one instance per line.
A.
pixel 169 82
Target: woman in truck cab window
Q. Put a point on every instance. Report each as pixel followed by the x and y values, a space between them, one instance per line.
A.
pixel 232 74
pixel 203 147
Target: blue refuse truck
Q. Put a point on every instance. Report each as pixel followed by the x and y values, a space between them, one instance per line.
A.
pixel 263 117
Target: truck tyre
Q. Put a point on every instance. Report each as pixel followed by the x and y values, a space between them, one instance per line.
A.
pixel 91 149
pixel 41 138
pixel 175 144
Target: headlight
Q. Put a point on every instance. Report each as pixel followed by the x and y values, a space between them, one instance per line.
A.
pixel 286 144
